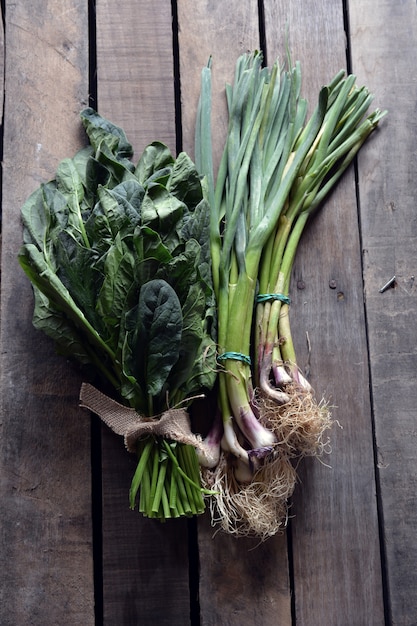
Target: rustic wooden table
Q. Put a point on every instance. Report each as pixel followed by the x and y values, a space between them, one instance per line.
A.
pixel 72 553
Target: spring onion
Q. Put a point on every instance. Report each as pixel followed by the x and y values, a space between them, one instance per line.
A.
pixel 275 172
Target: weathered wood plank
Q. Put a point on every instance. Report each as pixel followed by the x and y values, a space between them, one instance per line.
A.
pixel 2 57
pixel 337 575
pixel 46 555
pixel 238 584
pixel 384 40
pixel 145 564
pixel 135 70
pixel 242 581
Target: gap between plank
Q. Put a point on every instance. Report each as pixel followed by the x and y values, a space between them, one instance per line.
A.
pixel 96 457
pixel 192 528
pixel 177 77
pixel 378 494
pixel 194 571
pixel 346 27
pixel 3 52
pixel 379 506
pixel 262 31
pixel 291 576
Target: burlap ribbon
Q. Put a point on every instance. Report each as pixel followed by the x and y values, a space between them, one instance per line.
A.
pixel 173 424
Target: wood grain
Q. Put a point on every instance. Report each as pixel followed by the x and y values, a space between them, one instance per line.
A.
pixel 337 570
pixel 2 57
pixel 239 582
pixel 385 58
pixel 242 581
pixel 145 564
pixel 135 70
pixel 46 555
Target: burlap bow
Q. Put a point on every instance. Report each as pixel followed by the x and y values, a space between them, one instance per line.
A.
pixel 173 424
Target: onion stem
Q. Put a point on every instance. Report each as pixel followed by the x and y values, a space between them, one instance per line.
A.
pixel 275 172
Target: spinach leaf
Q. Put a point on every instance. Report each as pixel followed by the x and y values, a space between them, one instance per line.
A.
pixel 57 325
pixel 119 168
pixel 120 263
pixel 118 283
pixel 162 212
pixel 151 253
pixel 100 130
pixel 119 260
pixel 184 181
pixel 160 329
pixel 182 270
pixel 69 184
pixel 191 338
pixel 44 215
pixel 121 205
pixel 76 268
pixel 96 175
pixel 156 162
pixel 46 280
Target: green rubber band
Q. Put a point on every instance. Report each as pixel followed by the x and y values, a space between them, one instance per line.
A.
pixel 237 356
pixel 266 297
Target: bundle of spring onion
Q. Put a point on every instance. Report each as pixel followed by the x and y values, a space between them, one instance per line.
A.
pixel 276 170
pixel 120 263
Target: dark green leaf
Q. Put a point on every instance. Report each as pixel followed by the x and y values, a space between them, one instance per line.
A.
pixel 130 195
pixel 155 157
pixel 44 214
pixel 44 278
pixel 55 324
pixel 118 284
pixel 76 268
pixel 100 130
pixel 119 168
pixel 81 160
pixel 162 212
pixel 120 208
pixel 68 180
pixel 182 270
pixel 184 182
pixel 96 175
pixel 197 227
pixel 69 184
pixel 151 253
pixel 160 321
pixel 192 335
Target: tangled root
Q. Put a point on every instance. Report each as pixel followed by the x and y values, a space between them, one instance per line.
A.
pixel 300 424
pixel 259 508
pixel 255 509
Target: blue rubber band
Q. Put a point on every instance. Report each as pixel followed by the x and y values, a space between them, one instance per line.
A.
pixel 267 297
pixel 237 356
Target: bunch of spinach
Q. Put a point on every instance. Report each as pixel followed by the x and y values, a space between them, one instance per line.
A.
pixel 119 259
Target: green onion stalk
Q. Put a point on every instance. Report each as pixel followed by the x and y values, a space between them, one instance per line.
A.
pixel 275 172
pixel 342 134
pixel 345 128
pixel 266 146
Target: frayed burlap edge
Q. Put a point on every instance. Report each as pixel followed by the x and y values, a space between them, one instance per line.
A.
pixel 173 424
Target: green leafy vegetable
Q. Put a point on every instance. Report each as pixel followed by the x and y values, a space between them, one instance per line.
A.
pixel 118 256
